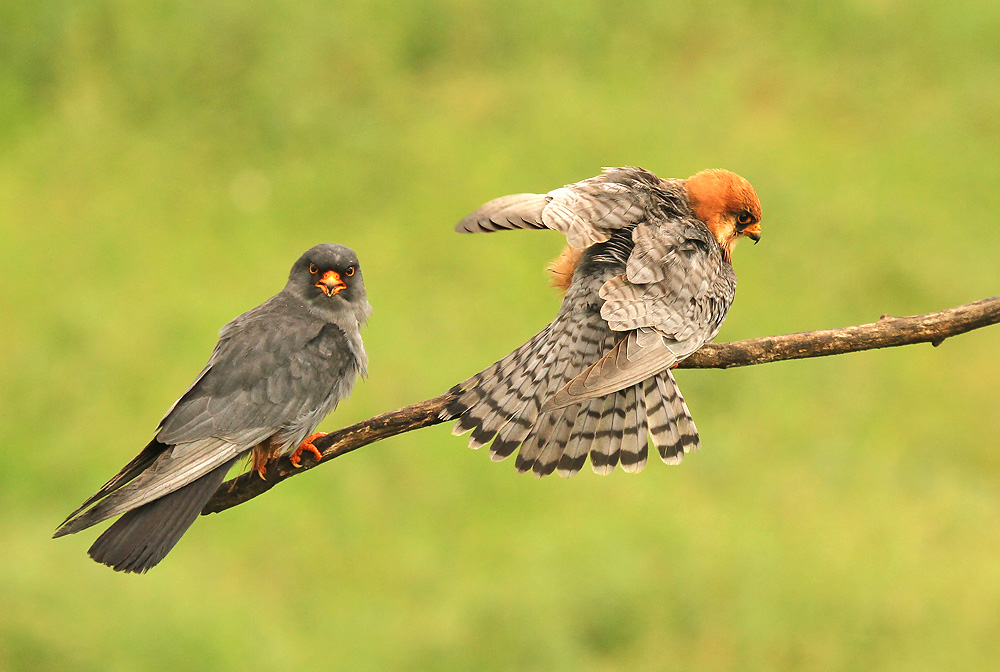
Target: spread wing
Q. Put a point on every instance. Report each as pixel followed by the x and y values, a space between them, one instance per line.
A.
pixel 587 212
pixel 671 299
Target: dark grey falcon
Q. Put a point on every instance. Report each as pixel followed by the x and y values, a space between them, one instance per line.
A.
pixel 275 373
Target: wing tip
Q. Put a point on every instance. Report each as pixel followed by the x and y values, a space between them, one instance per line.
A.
pixel 77 522
pixel 560 399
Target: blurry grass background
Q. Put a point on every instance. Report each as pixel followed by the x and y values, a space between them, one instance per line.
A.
pixel 163 163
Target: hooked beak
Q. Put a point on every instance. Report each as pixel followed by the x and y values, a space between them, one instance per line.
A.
pixel 752 232
pixel 331 283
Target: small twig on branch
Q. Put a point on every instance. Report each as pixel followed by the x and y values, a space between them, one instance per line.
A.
pixel 888 332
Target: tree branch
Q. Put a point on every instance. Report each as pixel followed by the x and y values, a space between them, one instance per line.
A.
pixel 888 332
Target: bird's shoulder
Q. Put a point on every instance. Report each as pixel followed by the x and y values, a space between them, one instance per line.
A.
pixel 260 343
pixel 653 197
pixel 282 313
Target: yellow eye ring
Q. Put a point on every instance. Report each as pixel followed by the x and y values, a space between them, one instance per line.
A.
pixel 744 218
pixel 313 269
pixel 350 271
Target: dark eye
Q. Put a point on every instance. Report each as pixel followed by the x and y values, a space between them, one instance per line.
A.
pixel 744 218
pixel 313 269
pixel 350 271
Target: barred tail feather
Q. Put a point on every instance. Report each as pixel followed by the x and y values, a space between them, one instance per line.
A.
pixel 524 419
pixel 605 449
pixel 670 424
pixel 558 435
pixel 634 439
pixel 488 400
pixel 582 436
pixel 503 406
pixel 545 429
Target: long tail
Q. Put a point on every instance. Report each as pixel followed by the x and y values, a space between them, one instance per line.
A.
pixel 502 403
pixel 143 536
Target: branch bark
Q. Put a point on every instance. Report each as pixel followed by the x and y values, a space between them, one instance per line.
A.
pixel 888 332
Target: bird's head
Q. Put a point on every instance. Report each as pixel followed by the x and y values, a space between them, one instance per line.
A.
pixel 728 206
pixel 327 274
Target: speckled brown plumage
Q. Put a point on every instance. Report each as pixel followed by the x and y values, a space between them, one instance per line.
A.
pixel 650 281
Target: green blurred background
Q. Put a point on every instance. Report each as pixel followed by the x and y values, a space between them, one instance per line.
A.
pixel 163 163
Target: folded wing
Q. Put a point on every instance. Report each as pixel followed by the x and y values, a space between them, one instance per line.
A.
pixel 672 299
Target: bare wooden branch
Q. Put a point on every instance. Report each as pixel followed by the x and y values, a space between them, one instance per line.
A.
pixel 249 485
pixel 888 332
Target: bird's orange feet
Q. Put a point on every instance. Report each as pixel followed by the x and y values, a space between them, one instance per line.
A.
pixel 307 447
pixel 260 458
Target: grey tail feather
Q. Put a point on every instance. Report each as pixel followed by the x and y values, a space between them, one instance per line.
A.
pixel 635 443
pixel 139 464
pixel 613 429
pixel 489 386
pixel 670 424
pixel 505 404
pixel 574 454
pixel 502 405
pixel 143 536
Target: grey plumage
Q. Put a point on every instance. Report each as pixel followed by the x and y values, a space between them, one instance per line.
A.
pixel 653 285
pixel 275 373
pixel 144 535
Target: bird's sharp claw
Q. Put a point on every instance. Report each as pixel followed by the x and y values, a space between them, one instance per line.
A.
pixel 307 447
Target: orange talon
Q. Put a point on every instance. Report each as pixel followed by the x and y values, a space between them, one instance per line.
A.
pixel 261 454
pixel 260 457
pixel 307 447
